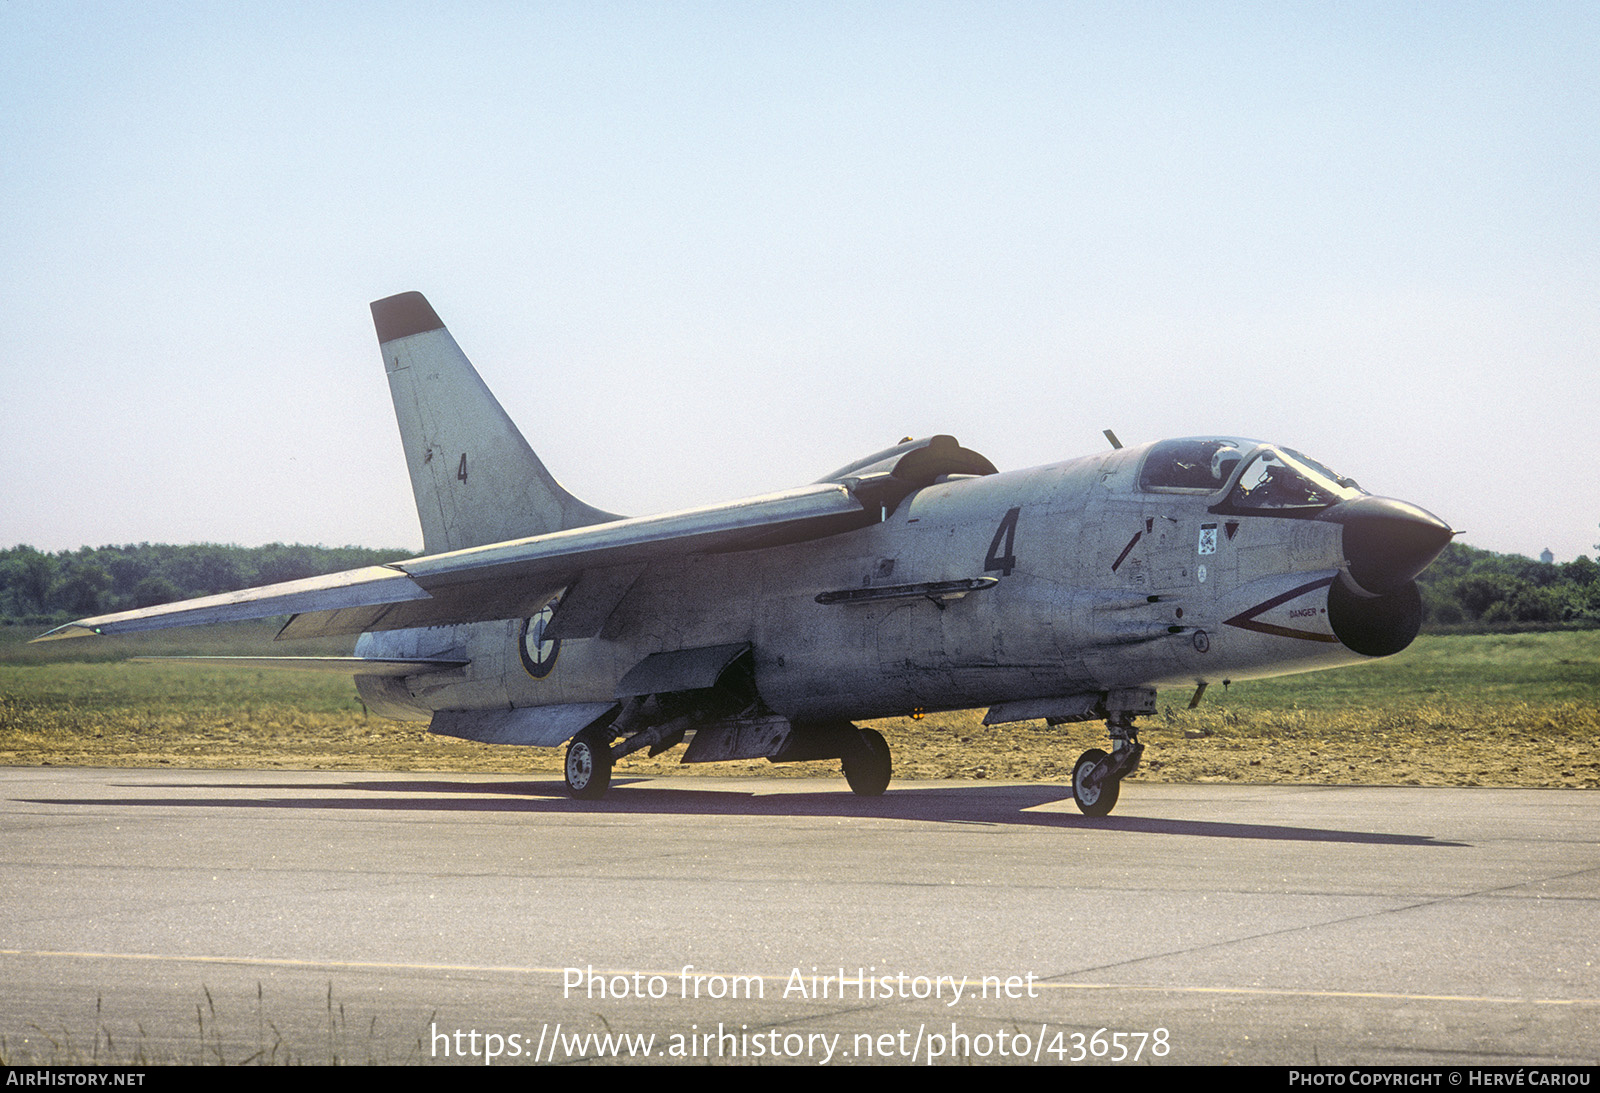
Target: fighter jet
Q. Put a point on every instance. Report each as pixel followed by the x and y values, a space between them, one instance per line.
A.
pixel 918 578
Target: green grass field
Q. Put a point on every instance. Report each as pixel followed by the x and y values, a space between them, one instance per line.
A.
pixel 1550 666
pixel 1487 709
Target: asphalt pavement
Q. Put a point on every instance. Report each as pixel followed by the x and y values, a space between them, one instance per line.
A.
pixel 193 916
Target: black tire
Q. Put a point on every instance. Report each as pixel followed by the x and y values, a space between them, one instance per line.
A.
pixel 1098 804
pixel 588 765
pixel 869 766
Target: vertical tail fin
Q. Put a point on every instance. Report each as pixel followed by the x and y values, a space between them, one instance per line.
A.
pixel 475 478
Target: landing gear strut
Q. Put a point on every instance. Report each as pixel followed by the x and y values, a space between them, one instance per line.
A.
pixel 1097 777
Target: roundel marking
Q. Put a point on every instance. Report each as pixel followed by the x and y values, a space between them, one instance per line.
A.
pixel 539 652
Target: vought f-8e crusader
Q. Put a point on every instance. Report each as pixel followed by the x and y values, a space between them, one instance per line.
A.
pixel 917 578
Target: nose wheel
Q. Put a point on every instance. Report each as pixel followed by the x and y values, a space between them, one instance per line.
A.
pixel 1097 777
pixel 1095 794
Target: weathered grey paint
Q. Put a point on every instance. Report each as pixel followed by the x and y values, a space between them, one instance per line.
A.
pixel 1061 623
pixel 917 578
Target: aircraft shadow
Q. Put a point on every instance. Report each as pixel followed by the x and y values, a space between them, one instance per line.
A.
pixel 985 805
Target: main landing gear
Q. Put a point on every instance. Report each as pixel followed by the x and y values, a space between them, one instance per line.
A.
pixel 588 766
pixel 1097 777
pixel 863 753
pixel 867 766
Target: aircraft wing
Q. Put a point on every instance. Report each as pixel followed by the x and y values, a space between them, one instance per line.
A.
pixel 371 586
pixel 501 580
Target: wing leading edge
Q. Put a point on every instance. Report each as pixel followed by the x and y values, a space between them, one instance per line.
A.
pixel 500 580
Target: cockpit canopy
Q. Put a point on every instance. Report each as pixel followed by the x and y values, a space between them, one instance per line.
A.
pixel 1261 478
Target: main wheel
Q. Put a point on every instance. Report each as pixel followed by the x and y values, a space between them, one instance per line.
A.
pixel 588 766
pixel 868 767
pixel 1093 802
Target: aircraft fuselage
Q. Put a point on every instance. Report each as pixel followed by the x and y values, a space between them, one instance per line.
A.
pixel 918 578
pixel 1096 586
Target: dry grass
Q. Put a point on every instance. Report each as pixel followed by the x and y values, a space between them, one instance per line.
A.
pixel 246 1035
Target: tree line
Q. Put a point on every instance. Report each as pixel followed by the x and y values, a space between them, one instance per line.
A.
pixel 1465 587
pixel 37 587
pixel 1470 588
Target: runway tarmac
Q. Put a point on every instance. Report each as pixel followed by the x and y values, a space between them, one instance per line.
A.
pixel 220 915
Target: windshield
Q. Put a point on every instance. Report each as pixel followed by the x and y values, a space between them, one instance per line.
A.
pixel 1276 479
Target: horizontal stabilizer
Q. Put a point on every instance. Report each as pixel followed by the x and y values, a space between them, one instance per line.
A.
pixel 346 666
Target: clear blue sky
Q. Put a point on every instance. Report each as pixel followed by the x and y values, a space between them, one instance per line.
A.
pixel 710 250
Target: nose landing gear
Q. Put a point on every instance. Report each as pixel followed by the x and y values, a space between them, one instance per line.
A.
pixel 1097 777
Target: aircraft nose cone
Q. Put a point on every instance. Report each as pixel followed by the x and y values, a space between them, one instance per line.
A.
pixel 1387 542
